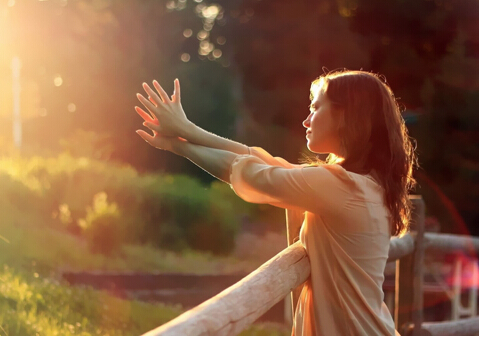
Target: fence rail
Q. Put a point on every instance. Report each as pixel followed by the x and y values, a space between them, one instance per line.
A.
pixel 462 327
pixel 238 306
pixel 451 243
pixel 400 247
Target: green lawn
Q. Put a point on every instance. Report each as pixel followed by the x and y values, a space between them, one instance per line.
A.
pixel 32 305
pixel 35 301
pixel 39 200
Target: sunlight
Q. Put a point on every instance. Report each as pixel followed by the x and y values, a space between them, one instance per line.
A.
pixel 79 189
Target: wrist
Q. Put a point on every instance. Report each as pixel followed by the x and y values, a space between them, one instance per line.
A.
pixel 178 147
pixel 188 130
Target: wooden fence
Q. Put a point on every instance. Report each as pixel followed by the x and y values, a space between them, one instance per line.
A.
pixel 237 307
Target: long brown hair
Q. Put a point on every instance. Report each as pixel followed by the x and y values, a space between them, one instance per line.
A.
pixel 374 137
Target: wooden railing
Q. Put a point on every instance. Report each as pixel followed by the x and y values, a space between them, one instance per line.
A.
pixel 237 307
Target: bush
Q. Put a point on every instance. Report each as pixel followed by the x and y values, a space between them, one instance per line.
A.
pixel 167 211
pixel 217 230
pixel 101 226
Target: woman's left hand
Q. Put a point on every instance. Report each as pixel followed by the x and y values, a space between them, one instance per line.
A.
pixel 166 116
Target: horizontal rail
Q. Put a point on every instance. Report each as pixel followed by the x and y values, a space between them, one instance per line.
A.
pixel 461 327
pixel 400 247
pixel 450 242
pixel 237 307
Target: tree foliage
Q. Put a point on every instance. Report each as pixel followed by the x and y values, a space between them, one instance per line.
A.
pixel 245 67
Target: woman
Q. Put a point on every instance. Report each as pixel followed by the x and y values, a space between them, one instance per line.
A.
pixel 352 204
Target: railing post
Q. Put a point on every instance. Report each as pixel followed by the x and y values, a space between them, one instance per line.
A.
pixel 409 277
pixel 294 220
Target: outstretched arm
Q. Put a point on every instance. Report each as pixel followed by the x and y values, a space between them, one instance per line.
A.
pixel 168 118
pixel 214 161
pixel 252 179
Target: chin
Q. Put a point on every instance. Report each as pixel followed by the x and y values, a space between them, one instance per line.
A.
pixel 321 148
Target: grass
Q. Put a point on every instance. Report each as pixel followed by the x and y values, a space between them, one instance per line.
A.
pixel 35 301
pixel 31 305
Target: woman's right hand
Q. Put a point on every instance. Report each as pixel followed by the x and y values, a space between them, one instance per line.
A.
pixel 166 116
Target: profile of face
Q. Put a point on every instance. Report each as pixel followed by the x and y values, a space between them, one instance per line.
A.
pixel 322 124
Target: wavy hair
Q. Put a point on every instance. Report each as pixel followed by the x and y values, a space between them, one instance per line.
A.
pixel 373 136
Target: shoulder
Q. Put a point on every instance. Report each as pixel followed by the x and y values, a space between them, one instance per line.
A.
pixel 269 159
pixel 333 173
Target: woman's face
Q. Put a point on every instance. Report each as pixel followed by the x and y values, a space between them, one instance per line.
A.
pixel 322 126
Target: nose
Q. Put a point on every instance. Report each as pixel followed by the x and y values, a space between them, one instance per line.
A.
pixel 307 122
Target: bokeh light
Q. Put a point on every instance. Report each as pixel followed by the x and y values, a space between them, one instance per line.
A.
pixel 57 80
pixel 202 34
pixel 187 33
pixel 210 12
pixel 217 53
pixel 221 40
pixel 185 57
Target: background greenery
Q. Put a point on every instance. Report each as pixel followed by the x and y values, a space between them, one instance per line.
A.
pixel 138 224
pixel 249 67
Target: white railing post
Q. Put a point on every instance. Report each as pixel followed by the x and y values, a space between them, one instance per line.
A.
pixel 457 309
